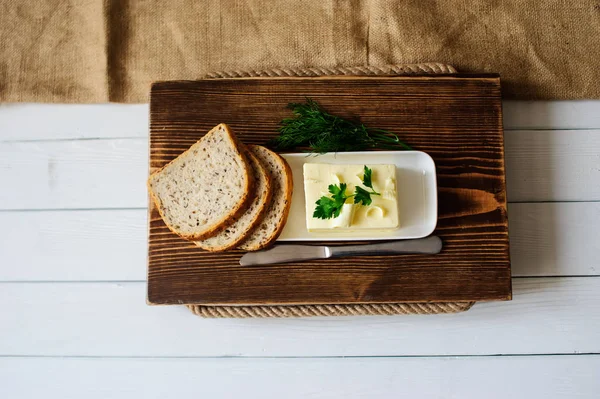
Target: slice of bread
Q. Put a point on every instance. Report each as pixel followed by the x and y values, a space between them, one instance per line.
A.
pixel 243 226
pixel 276 215
pixel 203 190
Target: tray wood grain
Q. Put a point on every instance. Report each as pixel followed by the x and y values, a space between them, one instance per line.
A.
pixel 457 119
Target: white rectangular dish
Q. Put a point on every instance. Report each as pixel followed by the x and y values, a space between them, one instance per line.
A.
pixel 417 195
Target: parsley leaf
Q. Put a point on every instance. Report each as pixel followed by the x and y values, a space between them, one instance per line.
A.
pixel 339 192
pixel 328 207
pixel 367 177
pixel 362 196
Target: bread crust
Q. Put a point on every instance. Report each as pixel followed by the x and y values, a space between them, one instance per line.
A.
pixel 257 218
pixel 288 190
pixel 240 207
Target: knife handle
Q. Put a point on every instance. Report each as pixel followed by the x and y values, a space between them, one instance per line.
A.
pixel 427 245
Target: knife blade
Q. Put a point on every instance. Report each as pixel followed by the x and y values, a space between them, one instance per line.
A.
pixel 291 253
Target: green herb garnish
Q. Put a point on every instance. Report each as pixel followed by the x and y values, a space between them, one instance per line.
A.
pixel 323 132
pixel 331 207
pixel 367 177
pixel 328 207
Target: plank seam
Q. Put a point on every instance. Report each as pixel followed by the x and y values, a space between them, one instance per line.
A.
pixel 302 357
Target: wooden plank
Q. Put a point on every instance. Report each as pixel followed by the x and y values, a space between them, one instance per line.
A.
pixel 73 174
pixel 536 115
pixel 549 377
pixel 554 239
pixel 464 136
pixel 72 121
pixel 541 166
pixel 73 245
pixel 547 315
pixel 92 121
pixel 547 239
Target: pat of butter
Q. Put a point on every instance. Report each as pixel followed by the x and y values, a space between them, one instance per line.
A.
pixel 344 221
pixel 382 214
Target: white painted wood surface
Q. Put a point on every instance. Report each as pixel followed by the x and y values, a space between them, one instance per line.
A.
pixel 110 244
pixel 547 315
pixel 554 238
pixel 536 115
pixel 30 122
pixel 27 122
pixel 74 174
pixel 553 165
pixel 541 165
pixel 72 271
pixel 90 245
pixel 374 378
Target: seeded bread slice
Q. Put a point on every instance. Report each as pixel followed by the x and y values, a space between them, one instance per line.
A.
pixel 277 212
pixel 203 190
pixel 243 226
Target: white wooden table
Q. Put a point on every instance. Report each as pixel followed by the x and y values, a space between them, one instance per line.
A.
pixel 74 323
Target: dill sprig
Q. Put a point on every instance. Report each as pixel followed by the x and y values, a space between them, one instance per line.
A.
pixel 323 132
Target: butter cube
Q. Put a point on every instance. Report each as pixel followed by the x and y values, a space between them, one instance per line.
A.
pixel 382 214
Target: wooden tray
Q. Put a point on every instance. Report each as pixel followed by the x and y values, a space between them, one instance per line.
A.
pixel 457 119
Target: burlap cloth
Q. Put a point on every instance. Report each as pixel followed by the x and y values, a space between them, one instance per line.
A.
pixel 356 309
pixel 111 50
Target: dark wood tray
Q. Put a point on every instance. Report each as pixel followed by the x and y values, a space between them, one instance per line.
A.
pixel 457 119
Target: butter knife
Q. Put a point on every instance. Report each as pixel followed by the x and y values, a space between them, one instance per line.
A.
pixel 292 253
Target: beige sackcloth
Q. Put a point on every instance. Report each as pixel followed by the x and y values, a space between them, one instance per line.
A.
pixel 92 51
